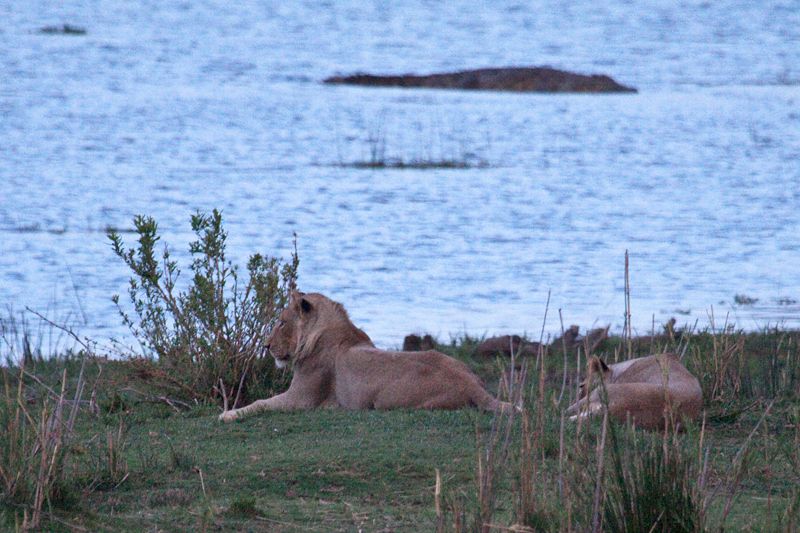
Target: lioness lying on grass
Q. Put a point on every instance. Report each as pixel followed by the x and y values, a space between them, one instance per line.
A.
pixel 336 364
pixel 650 390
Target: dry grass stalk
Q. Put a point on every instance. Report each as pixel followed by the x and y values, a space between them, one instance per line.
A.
pixel 561 455
pixel 627 329
pixel 540 367
pixel 564 348
pixel 527 474
pixel 726 348
pixel 494 461
pixel 437 498
pixel 596 517
pixel 33 445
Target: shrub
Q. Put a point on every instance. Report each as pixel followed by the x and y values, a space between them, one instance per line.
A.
pixel 212 333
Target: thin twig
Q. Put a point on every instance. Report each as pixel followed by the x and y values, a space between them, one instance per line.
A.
pixel 65 329
pixel 628 333
pixel 239 390
pixel 544 323
pixel 224 396
pixel 121 481
pixel 169 401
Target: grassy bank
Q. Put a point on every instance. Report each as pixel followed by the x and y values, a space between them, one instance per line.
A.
pixel 138 456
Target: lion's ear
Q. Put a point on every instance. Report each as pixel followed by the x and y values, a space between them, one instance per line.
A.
pixel 596 364
pixel 305 306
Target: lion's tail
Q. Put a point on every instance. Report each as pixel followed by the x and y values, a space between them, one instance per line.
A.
pixel 487 402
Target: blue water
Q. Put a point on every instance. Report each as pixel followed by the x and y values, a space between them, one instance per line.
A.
pixel 164 108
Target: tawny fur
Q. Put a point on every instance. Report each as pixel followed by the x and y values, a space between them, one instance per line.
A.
pixel 336 365
pixel 650 391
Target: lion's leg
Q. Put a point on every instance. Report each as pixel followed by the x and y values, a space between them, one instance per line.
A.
pixel 294 398
pixel 585 407
pixel 276 402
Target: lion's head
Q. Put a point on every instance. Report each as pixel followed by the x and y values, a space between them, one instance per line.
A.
pixel 596 371
pixel 301 324
pixel 653 391
pixel 284 338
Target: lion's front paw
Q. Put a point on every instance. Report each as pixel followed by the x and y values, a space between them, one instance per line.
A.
pixel 228 416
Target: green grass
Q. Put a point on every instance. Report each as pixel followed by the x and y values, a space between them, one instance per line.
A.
pixel 328 469
pixel 139 464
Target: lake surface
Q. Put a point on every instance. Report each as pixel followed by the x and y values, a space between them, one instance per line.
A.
pixel 166 108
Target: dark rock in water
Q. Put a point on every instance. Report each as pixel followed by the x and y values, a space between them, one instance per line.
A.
pixel 519 79
pixel 502 346
pixel 595 339
pixel 569 339
pixel 66 29
pixel 415 343
pixel 590 342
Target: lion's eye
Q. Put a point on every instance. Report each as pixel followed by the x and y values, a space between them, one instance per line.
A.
pixel 281 323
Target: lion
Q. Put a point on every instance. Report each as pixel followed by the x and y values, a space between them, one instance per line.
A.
pixel 337 365
pixel 652 391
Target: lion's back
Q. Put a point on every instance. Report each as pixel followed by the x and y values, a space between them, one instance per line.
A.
pixel 367 377
pixel 666 370
pixel 404 365
pixel 655 369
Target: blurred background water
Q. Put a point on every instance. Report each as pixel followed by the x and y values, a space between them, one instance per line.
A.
pixel 163 108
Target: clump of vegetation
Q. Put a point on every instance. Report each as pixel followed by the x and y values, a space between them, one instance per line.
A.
pixel 418 164
pixel 33 445
pixel 437 150
pixel 651 487
pixel 207 338
pixel 743 299
pixel 64 29
pixel 243 507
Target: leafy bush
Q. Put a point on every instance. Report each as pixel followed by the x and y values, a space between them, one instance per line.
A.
pixel 212 333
